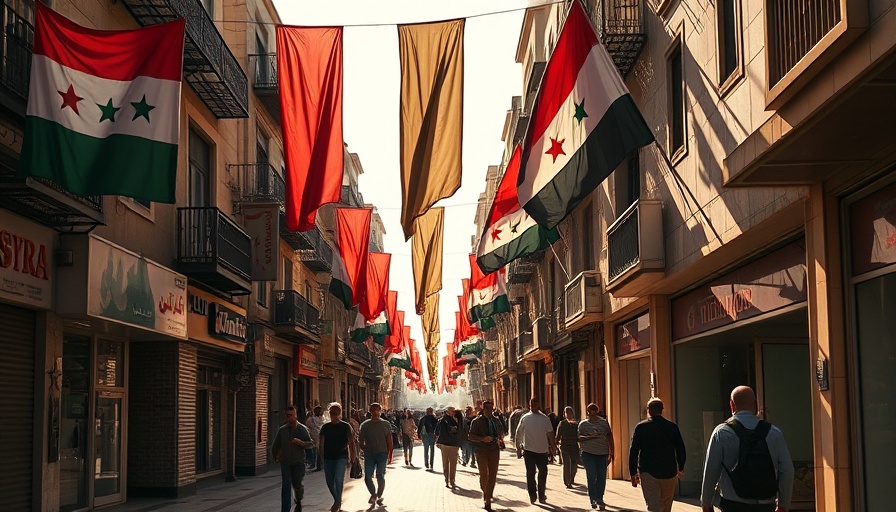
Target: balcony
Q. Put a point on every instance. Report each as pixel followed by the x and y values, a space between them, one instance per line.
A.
pixel 46 203
pixel 266 82
pixel 18 40
pixel 520 271
pixel 260 183
pixel 358 352
pixel 295 318
pixel 320 257
pixel 213 249
pixel 583 303
pixel 351 197
pixel 620 27
pixel 296 239
pixel 635 253
pixel 209 66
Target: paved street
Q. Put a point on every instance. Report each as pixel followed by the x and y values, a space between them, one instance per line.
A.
pixel 407 489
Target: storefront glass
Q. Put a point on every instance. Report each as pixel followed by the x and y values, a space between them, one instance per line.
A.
pixel 73 426
pixel 209 418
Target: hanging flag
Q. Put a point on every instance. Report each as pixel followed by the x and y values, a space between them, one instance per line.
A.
pixel 510 232
pixel 488 294
pixel 371 318
pixel 416 364
pixel 393 343
pixel 309 67
pixel 431 335
pixel 349 269
pixel 583 125
pixel 426 256
pixel 432 91
pixel 104 108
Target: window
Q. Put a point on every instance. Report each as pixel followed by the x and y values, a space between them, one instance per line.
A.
pixel 261 293
pixel 588 239
pixel 675 72
pixel 728 24
pixel 628 182
pixel 200 170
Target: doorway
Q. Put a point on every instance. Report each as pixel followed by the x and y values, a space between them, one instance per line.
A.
pixel 635 373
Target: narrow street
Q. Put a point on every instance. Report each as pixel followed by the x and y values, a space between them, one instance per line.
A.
pixel 407 489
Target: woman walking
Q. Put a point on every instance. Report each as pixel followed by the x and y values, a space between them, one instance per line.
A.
pixel 337 445
pixel 597 453
pixel 408 433
pixel 568 437
pixel 448 439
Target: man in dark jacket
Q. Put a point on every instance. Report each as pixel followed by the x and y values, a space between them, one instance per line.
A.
pixel 426 430
pixel 656 458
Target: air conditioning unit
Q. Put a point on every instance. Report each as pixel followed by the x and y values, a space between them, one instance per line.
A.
pixel 583 300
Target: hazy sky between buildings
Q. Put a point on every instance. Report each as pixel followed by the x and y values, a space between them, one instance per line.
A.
pixel 371 118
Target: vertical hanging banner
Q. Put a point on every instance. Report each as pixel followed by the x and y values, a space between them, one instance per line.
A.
pixel 426 256
pixel 262 224
pixel 432 92
pixel 349 280
pixel 432 336
pixel 103 112
pixel 372 317
pixel 583 125
pixel 309 68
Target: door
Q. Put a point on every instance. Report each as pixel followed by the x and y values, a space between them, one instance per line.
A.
pixel 636 376
pixel 73 442
pixel 107 461
pixel 784 399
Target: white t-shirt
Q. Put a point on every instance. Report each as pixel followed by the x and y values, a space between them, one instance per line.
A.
pixel 532 432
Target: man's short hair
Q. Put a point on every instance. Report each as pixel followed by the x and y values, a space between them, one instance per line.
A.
pixel 488 401
pixel 375 405
pixel 334 405
pixel 655 405
pixel 290 408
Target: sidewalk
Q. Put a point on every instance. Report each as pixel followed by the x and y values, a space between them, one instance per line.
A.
pixel 407 489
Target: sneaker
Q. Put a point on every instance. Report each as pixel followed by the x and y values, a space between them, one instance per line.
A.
pixel 379 501
pixel 372 499
pixel 594 504
pixel 601 506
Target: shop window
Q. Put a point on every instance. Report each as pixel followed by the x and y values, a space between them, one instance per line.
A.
pixel 209 418
pixel 261 293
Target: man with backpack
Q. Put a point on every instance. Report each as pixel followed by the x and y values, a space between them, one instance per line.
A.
pixel 748 466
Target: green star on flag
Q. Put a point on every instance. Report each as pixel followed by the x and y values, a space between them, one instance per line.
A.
pixel 580 111
pixel 141 109
pixel 109 111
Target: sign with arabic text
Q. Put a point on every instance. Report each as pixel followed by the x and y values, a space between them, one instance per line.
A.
pixel 127 288
pixel 214 321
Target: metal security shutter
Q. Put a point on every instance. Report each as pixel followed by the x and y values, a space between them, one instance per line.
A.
pixel 16 405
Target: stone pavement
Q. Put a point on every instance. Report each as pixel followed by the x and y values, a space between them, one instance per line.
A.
pixel 407 489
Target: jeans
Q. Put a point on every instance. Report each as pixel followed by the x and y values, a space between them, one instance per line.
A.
pixel 375 461
pixel 407 445
pixel 311 457
pixel 292 477
pixel 449 463
pixel 570 458
pixel 468 453
pixel 596 474
pixel 429 450
pixel 334 474
pixel 536 461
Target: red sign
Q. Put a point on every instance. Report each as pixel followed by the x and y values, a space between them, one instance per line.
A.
pixel 307 361
pixel 769 283
pixel 872 223
pixel 633 335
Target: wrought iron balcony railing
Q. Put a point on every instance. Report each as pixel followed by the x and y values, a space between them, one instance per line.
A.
pixel 209 66
pixel 620 26
pixel 635 250
pixel 351 197
pixel 320 257
pixel 260 183
pixel 358 351
pixel 794 28
pixel 213 249
pixel 18 41
pixel 265 81
pixel 582 298
pixel 293 310
pixel 520 271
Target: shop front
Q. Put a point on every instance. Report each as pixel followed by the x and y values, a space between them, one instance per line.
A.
pixel 307 371
pixel 27 277
pixel 748 327
pixel 127 298
pixel 635 373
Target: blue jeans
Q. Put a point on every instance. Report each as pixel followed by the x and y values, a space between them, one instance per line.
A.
pixel 375 461
pixel 311 457
pixel 334 474
pixel 429 450
pixel 468 453
pixel 596 474
pixel 292 477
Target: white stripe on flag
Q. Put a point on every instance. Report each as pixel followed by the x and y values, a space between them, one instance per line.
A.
pixel 48 77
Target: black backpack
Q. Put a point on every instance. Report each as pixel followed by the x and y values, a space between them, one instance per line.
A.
pixel 754 477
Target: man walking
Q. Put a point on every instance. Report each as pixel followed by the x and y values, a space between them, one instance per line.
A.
pixel 514 421
pixel 752 480
pixel 375 438
pixel 314 422
pixel 656 458
pixel 469 455
pixel 426 431
pixel 487 437
pixel 289 450
pixel 535 439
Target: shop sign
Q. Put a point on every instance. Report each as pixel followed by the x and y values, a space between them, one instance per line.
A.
pixel 307 361
pixel 212 320
pixel 26 269
pixel 872 231
pixel 633 335
pixel 262 223
pixel 769 283
pixel 127 288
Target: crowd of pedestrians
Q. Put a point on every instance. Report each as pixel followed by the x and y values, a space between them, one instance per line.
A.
pixel 747 466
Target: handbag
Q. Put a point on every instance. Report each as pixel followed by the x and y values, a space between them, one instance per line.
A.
pixel 355 471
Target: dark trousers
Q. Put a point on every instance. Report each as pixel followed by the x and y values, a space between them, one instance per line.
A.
pixel 292 477
pixel 536 461
pixel 488 472
pixel 570 458
pixel 736 506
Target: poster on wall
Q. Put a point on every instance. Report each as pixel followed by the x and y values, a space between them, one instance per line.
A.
pixel 130 289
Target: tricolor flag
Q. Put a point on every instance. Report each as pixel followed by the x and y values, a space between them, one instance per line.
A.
pixel 349 268
pixel 510 232
pixel 488 295
pixel 104 108
pixel 309 68
pixel 582 127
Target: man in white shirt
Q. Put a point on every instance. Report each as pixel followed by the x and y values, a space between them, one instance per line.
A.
pixel 535 439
